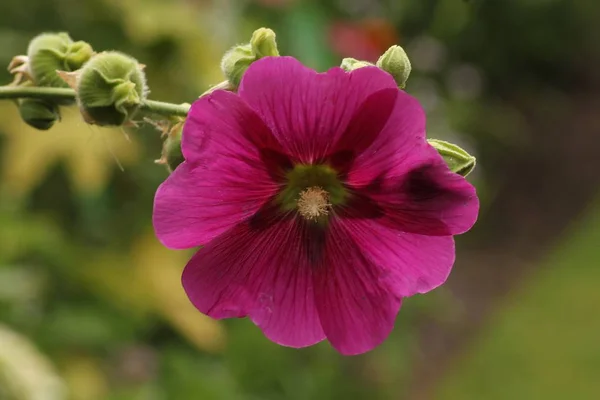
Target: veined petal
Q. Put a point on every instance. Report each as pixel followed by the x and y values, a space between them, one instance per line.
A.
pixel 222 124
pixel 229 173
pixel 389 151
pixel 427 199
pixel 308 112
pixel 259 269
pixel 196 204
pixel 405 263
pixel 357 311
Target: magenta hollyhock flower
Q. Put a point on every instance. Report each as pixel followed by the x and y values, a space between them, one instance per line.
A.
pixel 319 203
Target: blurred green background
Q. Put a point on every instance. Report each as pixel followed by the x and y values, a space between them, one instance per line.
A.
pixel 91 305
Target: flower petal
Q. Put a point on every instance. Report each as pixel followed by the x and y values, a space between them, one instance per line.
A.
pixel 428 199
pixel 260 270
pixel 406 263
pixel 308 112
pixel 363 129
pixel 227 176
pixel 390 149
pixel 222 124
pixel 357 312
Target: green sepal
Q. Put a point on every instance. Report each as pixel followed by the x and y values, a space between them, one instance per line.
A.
pixel 457 159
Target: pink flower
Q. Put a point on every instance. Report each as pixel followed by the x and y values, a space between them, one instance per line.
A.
pixel 319 203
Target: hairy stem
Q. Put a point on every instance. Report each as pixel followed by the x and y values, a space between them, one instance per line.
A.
pixel 157 107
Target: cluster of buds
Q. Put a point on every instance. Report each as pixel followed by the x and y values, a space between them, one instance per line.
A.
pixel 110 86
pixel 47 54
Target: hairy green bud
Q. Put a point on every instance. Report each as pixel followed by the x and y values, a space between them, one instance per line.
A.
pixel 396 62
pixel 237 60
pixel 40 114
pixel 350 64
pixel 458 160
pixel 110 89
pixel 263 43
pixel 51 52
pixel 235 63
pixel 172 155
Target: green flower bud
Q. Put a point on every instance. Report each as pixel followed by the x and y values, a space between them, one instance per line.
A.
pixel 263 43
pixel 78 54
pixel 51 52
pixel 39 114
pixel 396 62
pixel 172 155
pixel 235 63
pixel 350 64
pixel 110 89
pixel 237 60
pixel 458 160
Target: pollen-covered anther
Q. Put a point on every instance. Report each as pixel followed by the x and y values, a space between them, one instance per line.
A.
pixel 313 203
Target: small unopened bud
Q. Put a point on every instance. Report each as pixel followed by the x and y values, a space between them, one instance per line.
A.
pixel 237 60
pixel 235 63
pixel 263 43
pixel 110 89
pixel 396 62
pixel 51 52
pixel 39 114
pixel 78 54
pixel 171 153
pixel 458 160
pixel 350 64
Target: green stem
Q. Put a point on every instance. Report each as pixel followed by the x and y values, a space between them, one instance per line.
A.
pixel 166 109
pixel 18 92
pixel 42 93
